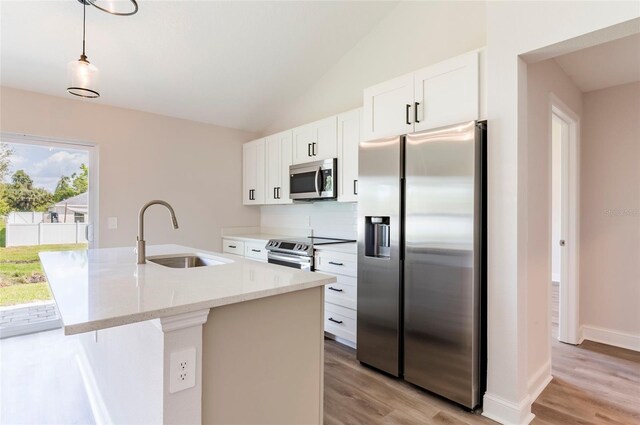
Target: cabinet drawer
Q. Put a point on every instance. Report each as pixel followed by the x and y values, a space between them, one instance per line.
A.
pixel 340 321
pixel 343 293
pixel 231 246
pixel 336 262
pixel 255 250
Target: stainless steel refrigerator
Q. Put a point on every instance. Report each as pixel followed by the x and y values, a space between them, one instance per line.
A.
pixel 421 259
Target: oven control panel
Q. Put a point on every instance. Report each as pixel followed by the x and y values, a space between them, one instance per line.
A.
pixel 289 246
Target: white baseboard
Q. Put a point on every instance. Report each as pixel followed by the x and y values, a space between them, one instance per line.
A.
pixel 610 337
pixel 98 406
pixel 507 412
pixel 342 341
pixel 539 381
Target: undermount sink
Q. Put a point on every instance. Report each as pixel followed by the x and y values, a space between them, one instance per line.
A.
pixel 186 261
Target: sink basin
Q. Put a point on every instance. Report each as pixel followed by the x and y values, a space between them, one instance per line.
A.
pixel 185 261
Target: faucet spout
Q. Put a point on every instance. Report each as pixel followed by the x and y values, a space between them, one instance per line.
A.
pixel 141 244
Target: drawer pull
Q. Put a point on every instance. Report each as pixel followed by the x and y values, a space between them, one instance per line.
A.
pixel 336 264
pixel 335 289
pixel 232 246
pixel 335 321
pixel 256 250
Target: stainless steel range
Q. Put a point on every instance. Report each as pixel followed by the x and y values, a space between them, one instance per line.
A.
pixel 297 253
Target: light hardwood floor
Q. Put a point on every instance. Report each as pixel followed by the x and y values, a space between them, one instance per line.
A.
pixel 593 384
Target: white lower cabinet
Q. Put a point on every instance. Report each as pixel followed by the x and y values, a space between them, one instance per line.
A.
pixel 341 298
pixel 252 250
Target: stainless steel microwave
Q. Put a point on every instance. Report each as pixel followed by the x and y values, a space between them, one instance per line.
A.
pixel 313 180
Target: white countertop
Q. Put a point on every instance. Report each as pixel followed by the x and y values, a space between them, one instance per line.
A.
pixel 256 237
pixel 100 288
pixel 349 247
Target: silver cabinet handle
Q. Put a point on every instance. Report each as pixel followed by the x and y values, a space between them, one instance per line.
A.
pixel 335 321
pixel 336 264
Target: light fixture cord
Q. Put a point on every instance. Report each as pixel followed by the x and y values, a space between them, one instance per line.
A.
pixel 84 22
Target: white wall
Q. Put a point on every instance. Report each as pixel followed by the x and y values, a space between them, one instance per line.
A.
pixel 411 36
pixel 556 196
pixel 513 29
pixel 195 167
pixel 543 79
pixel 610 211
pixel 327 219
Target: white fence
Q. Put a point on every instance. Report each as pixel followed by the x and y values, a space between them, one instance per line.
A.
pixel 35 217
pixel 45 234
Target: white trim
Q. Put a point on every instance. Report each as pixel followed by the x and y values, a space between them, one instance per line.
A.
pixel 340 340
pixel 99 409
pixel 569 319
pixel 539 381
pixel 46 325
pixel 182 321
pixel 610 337
pixel 506 412
pixel 555 277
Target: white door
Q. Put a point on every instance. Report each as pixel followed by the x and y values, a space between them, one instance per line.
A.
pixel 388 108
pixel 349 130
pixel 278 160
pixel 253 166
pixel 447 93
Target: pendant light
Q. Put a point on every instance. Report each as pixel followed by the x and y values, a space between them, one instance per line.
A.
pixel 116 7
pixel 83 76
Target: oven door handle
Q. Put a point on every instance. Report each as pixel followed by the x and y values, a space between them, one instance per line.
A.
pixel 317 180
pixel 289 258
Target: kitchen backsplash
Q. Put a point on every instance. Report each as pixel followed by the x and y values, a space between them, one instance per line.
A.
pixel 327 219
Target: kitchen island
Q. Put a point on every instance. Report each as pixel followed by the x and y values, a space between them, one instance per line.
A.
pixel 230 341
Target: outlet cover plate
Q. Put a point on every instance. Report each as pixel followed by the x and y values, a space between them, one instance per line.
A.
pixel 183 370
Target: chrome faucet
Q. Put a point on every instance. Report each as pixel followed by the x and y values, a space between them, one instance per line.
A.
pixel 141 243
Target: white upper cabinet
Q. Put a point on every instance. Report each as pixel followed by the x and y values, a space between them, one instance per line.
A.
pixel 349 132
pixel 442 94
pixel 446 93
pixel 278 160
pixel 315 141
pixel 253 166
pixel 387 108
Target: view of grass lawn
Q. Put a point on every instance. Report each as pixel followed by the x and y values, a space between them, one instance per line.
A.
pixel 21 277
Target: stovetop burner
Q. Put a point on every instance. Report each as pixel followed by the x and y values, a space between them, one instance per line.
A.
pixel 302 246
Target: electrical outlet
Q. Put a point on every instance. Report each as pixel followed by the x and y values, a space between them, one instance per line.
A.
pixel 112 223
pixel 183 370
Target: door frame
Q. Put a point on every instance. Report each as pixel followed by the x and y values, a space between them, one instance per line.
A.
pixel 569 295
pixel 92 149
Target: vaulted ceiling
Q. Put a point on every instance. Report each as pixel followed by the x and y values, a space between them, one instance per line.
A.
pixel 235 64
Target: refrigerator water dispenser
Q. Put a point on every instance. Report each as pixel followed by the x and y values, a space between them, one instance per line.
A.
pixel 377 237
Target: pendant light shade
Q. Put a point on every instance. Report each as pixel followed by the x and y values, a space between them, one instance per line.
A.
pixel 82 75
pixel 83 78
pixel 116 7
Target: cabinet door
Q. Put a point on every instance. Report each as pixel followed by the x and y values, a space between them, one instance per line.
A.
pixel 388 108
pixel 278 153
pixel 447 92
pixel 326 132
pixel 315 141
pixel 303 139
pixel 349 129
pixel 253 165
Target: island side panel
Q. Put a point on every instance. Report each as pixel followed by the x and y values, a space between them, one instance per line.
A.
pixel 122 369
pixel 263 361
